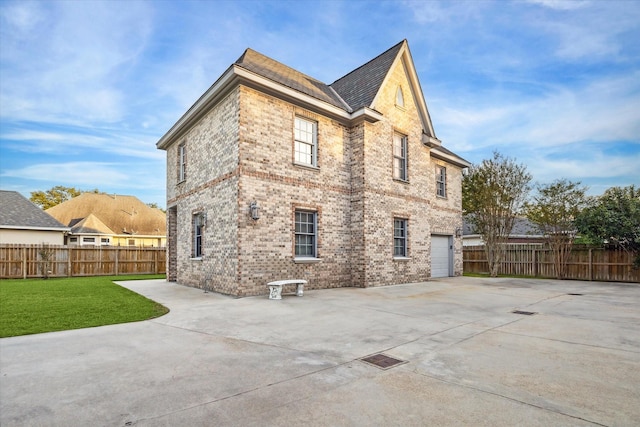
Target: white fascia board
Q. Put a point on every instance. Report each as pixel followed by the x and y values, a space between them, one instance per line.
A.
pixel 283 92
pixel 198 108
pixel 365 114
pixel 238 75
pixel 28 227
pixel 455 160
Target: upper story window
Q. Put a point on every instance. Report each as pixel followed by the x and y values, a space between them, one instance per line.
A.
pixel 182 162
pixel 306 142
pixel 399 157
pixel 198 231
pixel 399 237
pixel 399 97
pixel 306 234
pixel 441 181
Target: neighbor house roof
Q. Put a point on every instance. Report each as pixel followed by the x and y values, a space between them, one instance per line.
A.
pixel 111 214
pixel 91 225
pixel 522 227
pixel 17 212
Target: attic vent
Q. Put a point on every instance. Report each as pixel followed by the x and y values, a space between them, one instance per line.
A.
pixel 382 361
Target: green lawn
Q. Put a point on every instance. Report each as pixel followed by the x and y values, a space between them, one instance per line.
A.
pixel 32 306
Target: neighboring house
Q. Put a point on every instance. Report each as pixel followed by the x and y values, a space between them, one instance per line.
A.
pixel 273 174
pixel 23 222
pixel 110 219
pixel 523 232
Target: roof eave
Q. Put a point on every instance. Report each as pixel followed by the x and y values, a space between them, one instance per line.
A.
pixel 220 88
pixel 35 228
pixel 453 159
pixel 236 75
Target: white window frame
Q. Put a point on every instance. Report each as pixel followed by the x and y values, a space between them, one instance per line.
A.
pixel 441 181
pixel 182 162
pixel 198 224
pixel 301 230
pixel 400 237
pixel 400 97
pixel 305 145
pixel 400 156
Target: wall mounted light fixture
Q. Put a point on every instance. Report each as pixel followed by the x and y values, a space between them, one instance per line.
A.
pixel 458 232
pixel 254 211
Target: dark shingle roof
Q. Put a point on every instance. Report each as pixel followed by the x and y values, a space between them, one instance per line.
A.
pixel 360 86
pixel 266 67
pixel 17 211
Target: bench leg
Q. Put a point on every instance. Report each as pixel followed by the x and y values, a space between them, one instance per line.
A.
pixel 300 289
pixel 275 291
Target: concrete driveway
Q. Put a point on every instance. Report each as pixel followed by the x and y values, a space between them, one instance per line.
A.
pixel 219 361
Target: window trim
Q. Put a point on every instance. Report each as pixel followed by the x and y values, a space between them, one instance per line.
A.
pixel 400 97
pixel 403 238
pixel 182 162
pixel 441 181
pixel 313 144
pixel 305 257
pixel 403 174
pixel 197 232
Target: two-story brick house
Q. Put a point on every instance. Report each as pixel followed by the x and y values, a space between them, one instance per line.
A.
pixel 274 175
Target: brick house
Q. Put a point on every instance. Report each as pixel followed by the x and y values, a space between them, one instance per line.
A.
pixel 274 175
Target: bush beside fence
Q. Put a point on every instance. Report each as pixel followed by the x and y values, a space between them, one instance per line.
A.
pixel 536 260
pixel 24 261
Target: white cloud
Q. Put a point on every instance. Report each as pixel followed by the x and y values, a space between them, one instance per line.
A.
pixel 606 109
pixel 560 4
pixel 89 175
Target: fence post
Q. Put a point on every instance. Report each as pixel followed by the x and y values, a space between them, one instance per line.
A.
pixel 590 264
pixel 117 254
pixel 69 263
pixel 24 262
pixel 535 263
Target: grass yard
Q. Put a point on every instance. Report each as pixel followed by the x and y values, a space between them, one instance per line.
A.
pixel 32 306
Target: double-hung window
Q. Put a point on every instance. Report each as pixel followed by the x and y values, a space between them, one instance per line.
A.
pixel 441 181
pixel 306 234
pixel 182 162
pixel 306 142
pixel 198 231
pixel 399 157
pixel 399 237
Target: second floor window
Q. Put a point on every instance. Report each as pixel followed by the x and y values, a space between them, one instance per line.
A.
pixel 399 157
pixel 182 163
pixel 441 181
pixel 306 142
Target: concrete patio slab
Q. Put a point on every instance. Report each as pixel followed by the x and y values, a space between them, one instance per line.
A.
pixel 217 360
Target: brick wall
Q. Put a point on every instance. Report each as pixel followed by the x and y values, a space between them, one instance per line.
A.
pixel 242 152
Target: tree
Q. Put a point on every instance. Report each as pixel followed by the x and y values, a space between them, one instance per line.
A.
pixel 492 196
pixel 614 218
pixel 554 210
pixel 54 196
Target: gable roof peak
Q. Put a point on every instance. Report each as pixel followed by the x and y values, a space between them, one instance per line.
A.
pixel 359 87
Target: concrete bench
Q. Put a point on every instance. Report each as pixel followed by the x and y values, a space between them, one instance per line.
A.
pixel 275 288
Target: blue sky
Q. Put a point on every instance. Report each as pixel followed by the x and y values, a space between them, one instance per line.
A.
pixel 87 88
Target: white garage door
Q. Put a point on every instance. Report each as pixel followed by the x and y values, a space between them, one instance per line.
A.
pixel 440 259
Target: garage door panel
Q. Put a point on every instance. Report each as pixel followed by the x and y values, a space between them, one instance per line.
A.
pixel 440 258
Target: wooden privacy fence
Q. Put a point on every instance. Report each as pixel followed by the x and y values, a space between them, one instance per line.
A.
pixel 23 261
pixel 585 263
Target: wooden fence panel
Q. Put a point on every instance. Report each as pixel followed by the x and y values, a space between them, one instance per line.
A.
pixel 22 261
pixel 537 260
